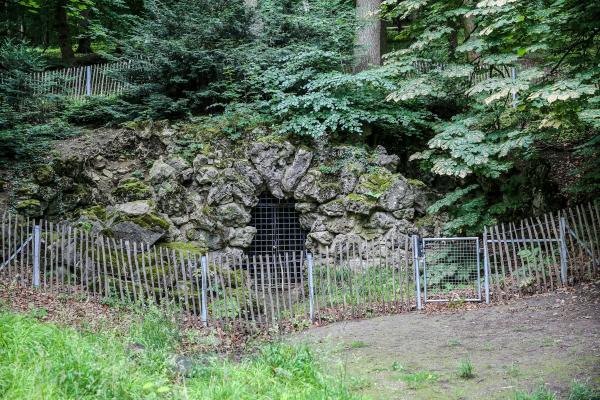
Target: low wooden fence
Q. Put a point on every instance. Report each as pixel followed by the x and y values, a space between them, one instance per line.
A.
pixel 99 79
pixel 544 252
pixel 79 82
pixel 354 278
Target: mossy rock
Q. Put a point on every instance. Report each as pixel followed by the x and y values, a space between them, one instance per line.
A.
pixel 150 221
pixel 132 189
pixel 359 203
pixel 44 174
pixel 27 189
pixel 416 183
pixel 95 213
pixel 374 184
pixel 30 208
pixel 193 248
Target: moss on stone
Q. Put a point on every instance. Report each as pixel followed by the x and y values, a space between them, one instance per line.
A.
pixel 132 189
pixel 29 207
pixel 43 174
pixel 96 213
pixel 360 198
pixel 273 138
pixel 416 183
pixel 427 220
pixel 149 221
pixel 194 248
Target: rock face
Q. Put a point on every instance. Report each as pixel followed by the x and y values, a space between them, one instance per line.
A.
pixel 152 194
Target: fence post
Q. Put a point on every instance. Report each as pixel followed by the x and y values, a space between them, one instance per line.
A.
pixel 36 255
pixel 486 267
pixel 204 316
pixel 513 77
pixel 563 251
pixel 88 80
pixel 309 259
pixel 417 274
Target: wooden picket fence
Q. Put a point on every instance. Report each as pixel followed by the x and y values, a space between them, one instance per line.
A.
pixel 79 82
pixel 544 252
pixel 352 279
pixel 98 79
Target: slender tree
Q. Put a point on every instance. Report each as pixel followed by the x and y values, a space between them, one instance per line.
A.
pixel 63 33
pixel 368 50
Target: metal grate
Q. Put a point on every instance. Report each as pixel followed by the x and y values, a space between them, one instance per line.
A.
pixel 278 236
pixel 277 227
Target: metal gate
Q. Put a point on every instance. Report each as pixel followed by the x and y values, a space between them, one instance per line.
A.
pixel 451 269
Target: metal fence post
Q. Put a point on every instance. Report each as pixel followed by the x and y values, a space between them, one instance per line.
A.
pixel 563 251
pixel 486 267
pixel 417 274
pixel 36 255
pixel 204 316
pixel 311 293
pixel 513 77
pixel 88 80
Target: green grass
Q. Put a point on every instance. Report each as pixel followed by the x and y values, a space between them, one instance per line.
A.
pixel 465 369
pixel 541 393
pixel 419 379
pixel 357 344
pixel 580 391
pixel 46 361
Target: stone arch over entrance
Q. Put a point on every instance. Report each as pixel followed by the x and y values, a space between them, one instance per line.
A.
pixel 278 228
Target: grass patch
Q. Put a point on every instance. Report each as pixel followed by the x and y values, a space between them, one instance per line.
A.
pixel 47 361
pixel 454 343
pixel 465 369
pixel 541 393
pixel 419 379
pixel 357 344
pixel 581 391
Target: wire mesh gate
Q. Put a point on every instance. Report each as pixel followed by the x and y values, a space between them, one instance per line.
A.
pixel 451 269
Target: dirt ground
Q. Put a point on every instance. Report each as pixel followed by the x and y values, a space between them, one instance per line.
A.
pixel 551 339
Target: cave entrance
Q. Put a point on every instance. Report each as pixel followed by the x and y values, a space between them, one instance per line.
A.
pixel 277 226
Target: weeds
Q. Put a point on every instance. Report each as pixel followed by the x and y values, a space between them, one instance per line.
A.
pixel 465 369
pixel 357 344
pixel 581 391
pixel 541 393
pixel 43 360
pixel 419 379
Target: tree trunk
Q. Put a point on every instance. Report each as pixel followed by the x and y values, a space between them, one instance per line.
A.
pixel 469 27
pixel 368 50
pixel 84 43
pixel 63 34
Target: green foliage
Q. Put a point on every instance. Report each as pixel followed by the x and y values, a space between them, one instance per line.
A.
pixel 580 391
pixel 501 120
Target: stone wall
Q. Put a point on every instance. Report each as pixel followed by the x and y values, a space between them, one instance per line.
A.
pixel 155 191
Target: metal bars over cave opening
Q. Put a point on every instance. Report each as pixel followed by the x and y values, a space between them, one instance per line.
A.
pixel 279 236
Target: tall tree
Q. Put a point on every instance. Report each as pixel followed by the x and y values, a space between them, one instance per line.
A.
pixel 63 32
pixel 368 50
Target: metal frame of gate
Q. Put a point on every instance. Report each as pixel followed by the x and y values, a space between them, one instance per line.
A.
pixel 458 257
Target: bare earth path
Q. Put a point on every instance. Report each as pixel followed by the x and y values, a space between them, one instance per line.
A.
pixel 550 339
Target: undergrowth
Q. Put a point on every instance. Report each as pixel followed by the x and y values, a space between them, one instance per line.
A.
pixel 47 361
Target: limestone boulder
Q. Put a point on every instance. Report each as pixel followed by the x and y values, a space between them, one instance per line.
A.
pixel 313 187
pixel 242 237
pixel 161 172
pixel 270 160
pixel 322 238
pixel 297 169
pixel 359 204
pixel 334 208
pixel 133 208
pixel 382 220
pixel 129 230
pixel 400 195
pixel 232 214
pixel 381 158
